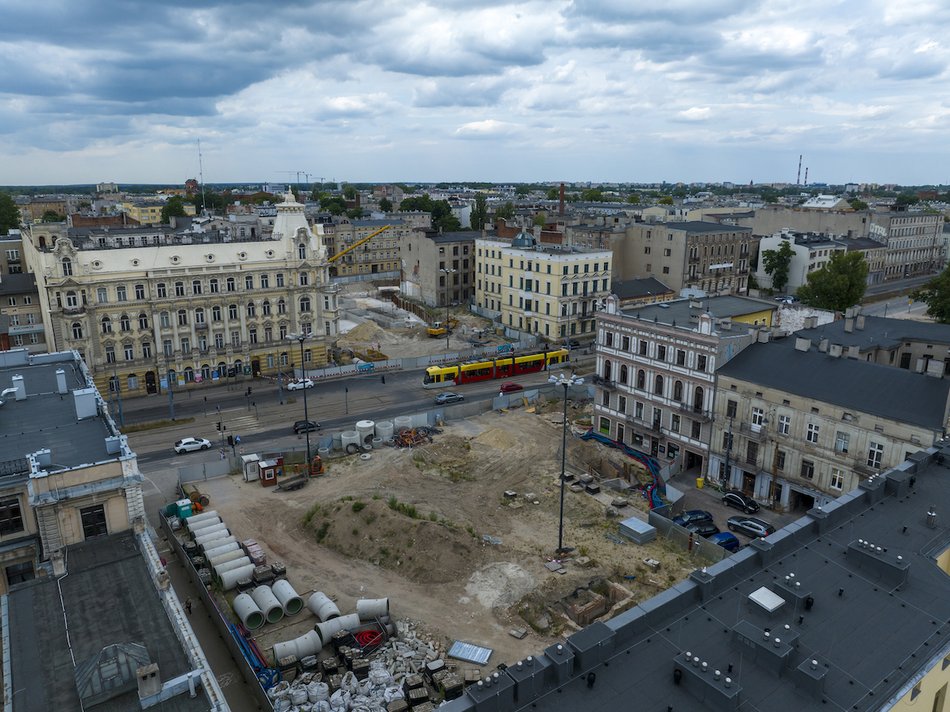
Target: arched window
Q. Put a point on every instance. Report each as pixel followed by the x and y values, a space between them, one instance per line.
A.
pixel 213 285
pixel 232 311
pixel 162 290
pixel 182 317
pixel 304 304
pixel 251 310
pixel 199 316
pixel 302 251
pixel 77 330
pixel 678 391
pixel 205 372
pixel 189 374
pixel 164 319
pixel 641 379
pixel 72 300
pixel 265 308
pixel 106 325
pixel 607 370
pixel 698 399
pixel 143 321
pixel 215 313
pixel 658 385
pixel 230 284
pixel 67 267
pixel 132 382
pixel 196 286
pixel 179 289
pixel 125 324
pixel 623 374
pixel 281 306
pixel 113 384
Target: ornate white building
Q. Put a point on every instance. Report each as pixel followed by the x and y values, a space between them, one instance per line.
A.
pixel 145 304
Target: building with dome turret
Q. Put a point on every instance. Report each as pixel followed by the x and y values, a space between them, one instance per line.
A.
pixel 552 291
pixel 148 306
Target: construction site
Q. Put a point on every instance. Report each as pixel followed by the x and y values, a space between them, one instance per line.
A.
pixel 442 538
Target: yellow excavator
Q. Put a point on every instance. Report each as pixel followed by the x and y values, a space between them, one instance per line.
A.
pixel 358 243
pixel 438 328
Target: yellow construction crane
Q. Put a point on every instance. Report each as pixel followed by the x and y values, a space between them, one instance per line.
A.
pixel 359 242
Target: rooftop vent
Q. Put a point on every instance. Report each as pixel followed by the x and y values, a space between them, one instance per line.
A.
pixel 802 344
pixel 19 386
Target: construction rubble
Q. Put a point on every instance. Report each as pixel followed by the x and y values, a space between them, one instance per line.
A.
pixel 407 671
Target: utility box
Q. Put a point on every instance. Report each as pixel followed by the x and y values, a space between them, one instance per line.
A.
pixel 269 471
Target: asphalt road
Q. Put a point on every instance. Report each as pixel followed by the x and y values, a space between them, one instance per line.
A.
pixel 902 307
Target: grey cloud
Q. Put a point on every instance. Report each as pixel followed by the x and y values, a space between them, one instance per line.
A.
pixel 684 13
pixel 912 67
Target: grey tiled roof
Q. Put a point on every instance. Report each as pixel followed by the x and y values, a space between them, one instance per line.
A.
pixel 880 332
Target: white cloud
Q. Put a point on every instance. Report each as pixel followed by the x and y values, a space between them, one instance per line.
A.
pixel 695 113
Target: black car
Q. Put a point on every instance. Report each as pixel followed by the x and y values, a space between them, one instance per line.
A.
pixel 305 426
pixel 750 526
pixel 703 528
pixel 692 515
pixel 737 500
pixel 573 344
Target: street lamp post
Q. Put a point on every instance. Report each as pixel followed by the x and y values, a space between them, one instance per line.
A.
pixel 300 338
pixel 447 272
pixel 567 382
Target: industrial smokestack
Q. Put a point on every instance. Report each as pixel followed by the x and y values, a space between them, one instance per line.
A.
pixel 560 204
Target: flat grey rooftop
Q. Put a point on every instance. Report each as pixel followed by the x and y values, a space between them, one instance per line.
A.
pixel 680 311
pixel 868 633
pixel 880 332
pixel 853 384
pixel 47 420
pixel 644 287
pixel 109 599
pixel 697 226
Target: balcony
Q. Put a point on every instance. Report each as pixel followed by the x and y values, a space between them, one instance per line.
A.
pixel 73 311
pixel 704 416
pixel 604 383
pixel 201 327
pixel 753 431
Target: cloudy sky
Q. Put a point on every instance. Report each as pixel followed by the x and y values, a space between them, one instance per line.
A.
pixel 455 90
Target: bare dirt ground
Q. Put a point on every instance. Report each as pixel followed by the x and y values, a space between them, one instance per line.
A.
pixel 410 524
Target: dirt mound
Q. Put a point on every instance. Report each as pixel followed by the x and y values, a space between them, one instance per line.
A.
pixel 421 546
pixel 368 332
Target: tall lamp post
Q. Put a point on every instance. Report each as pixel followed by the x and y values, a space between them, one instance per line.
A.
pixel 567 382
pixel 300 338
pixel 447 272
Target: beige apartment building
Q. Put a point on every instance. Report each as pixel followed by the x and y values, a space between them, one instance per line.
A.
pixel 547 290
pixel 56 424
pixel 151 306
pixel 796 424
pixel 913 241
pixel 438 269
pixel 700 255
pixel 378 258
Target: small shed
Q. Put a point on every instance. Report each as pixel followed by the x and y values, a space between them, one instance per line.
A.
pixel 637 530
pixel 249 467
pixel 269 471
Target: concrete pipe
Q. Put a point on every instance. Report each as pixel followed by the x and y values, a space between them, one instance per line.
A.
pixel 224 558
pixel 208 531
pixel 229 579
pixel 204 524
pixel 307 644
pixel 327 630
pixel 217 550
pixel 322 607
pixel 290 600
pixel 231 565
pixel 384 430
pixel 369 608
pixel 214 540
pixel 264 597
pixel 247 610
pixel 194 519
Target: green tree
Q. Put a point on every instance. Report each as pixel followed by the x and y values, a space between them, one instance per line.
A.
pixel 592 195
pixel 479 214
pixel 776 264
pixel 633 199
pixel 540 219
pixel 354 213
pixel 386 205
pixel 51 216
pixel 838 285
pixel 665 200
pixel 349 192
pixel 174 207
pixel 553 194
pixel 443 219
pixel 9 214
pixel 421 203
pixel 332 204
pixel 506 211
pixel 936 295
pixel 522 190
pixel 857 204
pixel 906 199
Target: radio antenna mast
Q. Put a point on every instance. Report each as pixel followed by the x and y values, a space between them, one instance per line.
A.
pixel 201 179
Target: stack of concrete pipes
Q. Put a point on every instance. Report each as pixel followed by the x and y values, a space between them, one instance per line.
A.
pixel 331 622
pixel 221 550
pixel 267 604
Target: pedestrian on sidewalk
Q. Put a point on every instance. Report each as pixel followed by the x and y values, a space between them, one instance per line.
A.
pixel 188 605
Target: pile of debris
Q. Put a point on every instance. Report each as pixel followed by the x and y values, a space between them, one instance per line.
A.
pixel 399 675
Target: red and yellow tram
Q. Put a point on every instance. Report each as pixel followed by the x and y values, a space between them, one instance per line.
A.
pixel 488 369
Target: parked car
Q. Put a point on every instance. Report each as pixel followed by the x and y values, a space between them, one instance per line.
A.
pixel 703 528
pixel 693 515
pixel 511 387
pixel 305 426
pixel 444 398
pixel 300 385
pixel 750 526
pixel 191 444
pixel 737 500
pixel 726 540
pixel 573 344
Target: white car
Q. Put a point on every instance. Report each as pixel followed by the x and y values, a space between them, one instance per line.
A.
pixel 191 444
pixel 299 385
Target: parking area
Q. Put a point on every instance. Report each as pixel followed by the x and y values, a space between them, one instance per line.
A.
pixel 711 501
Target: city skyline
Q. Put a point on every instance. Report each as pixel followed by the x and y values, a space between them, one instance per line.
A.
pixel 482 90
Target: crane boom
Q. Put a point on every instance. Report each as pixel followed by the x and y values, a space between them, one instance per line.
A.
pixel 361 241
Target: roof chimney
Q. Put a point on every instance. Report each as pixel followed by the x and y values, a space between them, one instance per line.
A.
pixel 859 322
pixel 17 381
pixel 854 352
pixel 60 381
pixel 848 324
pixel 763 336
pixel 835 350
pixel 810 322
pixel 802 344
pixel 823 345
pixel 560 204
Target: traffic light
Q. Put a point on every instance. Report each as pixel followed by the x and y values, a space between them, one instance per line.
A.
pixel 231 440
pixel 219 426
